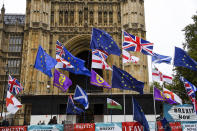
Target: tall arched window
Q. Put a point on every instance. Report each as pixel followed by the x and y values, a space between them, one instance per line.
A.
pixel 91 17
pixel 66 18
pixel 80 17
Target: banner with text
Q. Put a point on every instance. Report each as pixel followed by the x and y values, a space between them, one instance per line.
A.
pixel 189 126
pixel 58 127
pixel 116 126
pixel 14 128
pixel 84 127
pixel 174 126
pixel 131 126
pixel 183 112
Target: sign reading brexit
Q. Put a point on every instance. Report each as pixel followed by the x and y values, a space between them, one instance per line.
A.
pixel 183 112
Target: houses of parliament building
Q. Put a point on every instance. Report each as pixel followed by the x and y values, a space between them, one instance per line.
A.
pixel 70 22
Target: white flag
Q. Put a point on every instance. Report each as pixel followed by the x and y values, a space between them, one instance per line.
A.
pixel 173 96
pixel 127 57
pixel 158 76
pixel 12 103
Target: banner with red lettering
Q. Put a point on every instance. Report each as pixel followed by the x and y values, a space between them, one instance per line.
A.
pixel 131 126
pixel 84 127
pixel 14 128
pixel 175 126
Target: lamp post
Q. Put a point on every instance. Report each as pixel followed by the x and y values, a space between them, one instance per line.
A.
pixel 4 90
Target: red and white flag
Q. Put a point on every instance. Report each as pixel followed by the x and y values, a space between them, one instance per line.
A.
pixel 127 57
pixel 98 60
pixel 173 96
pixel 62 63
pixel 12 103
pixel 158 76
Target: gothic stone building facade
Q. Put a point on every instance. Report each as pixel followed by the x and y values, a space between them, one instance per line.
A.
pixel 70 22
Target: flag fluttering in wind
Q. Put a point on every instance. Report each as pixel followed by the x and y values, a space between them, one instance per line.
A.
pixel 181 58
pixel 78 64
pixel 81 97
pixel 14 86
pixel 159 96
pixel 97 80
pixel 169 94
pixel 128 58
pixel 158 76
pixel 123 80
pixel 113 104
pixel 61 81
pixel 44 62
pixel 165 124
pixel 72 108
pixel 157 58
pixel 12 104
pixel 134 43
pixel 101 40
pixel 99 60
pixel 190 89
pixel 61 63
pixel 139 115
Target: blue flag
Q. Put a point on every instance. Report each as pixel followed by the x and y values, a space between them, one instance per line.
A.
pixel 139 115
pixel 157 58
pixel 181 58
pixel 78 64
pixel 44 62
pixel 123 80
pixel 71 108
pixel 165 124
pixel 81 97
pixel 101 40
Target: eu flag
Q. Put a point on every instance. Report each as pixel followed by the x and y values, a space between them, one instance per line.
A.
pixel 78 64
pixel 139 115
pixel 123 80
pixel 44 62
pixel 101 40
pixel 181 58
pixel 72 108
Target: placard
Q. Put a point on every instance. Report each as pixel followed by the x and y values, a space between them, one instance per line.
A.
pixel 14 128
pixel 84 127
pixel 116 126
pixel 131 126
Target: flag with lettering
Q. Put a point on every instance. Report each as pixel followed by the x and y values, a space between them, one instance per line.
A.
pixel 44 62
pixel 97 80
pixel 181 58
pixel 136 44
pixel 101 40
pixel 61 81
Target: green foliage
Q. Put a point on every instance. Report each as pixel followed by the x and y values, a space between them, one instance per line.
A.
pixel 191 46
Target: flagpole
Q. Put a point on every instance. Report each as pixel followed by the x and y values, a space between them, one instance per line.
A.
pixel 111 108
pixel 123 90
pixel 154 109
pixel 133 109
pixel 155 112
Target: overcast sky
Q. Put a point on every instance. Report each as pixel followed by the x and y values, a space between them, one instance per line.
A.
pixel 165 20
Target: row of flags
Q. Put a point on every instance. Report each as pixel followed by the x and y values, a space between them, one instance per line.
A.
pixel 103 45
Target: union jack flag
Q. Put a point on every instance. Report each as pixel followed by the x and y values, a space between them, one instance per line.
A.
pixel 190 92
pixel 98 59
pixel 59 49
pixel 134 43
pixel 14 86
